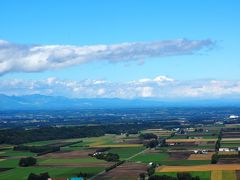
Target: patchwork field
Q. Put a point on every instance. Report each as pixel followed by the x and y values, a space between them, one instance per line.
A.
pixel 127 171
pixel 210 167
pixel 159 132
pixel 71 159
pixel 126 152
pixel 150 157
pixel 22 173
pixel 175 156
pixel 203 175
pixel 190 140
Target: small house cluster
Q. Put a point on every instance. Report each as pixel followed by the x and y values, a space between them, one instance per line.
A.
pixel 229 149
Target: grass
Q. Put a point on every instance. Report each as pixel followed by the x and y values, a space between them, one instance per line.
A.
pixel 17 153
pixel 109 140
pixel 216 175
pixel 229 175
pixel 126 152
pixel 66 172
pixel 185 162
pixel 73 148
pixel 118 145
pixel 147 157
pixel 97 141
pixel 230 145
pixel 203 175
pixel 9 163
pixel 42 143
pixel 68 161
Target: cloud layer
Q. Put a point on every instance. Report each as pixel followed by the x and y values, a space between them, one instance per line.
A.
pixel 159 87
pixel 37 58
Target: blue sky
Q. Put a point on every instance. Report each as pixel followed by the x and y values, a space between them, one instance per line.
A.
pixel 93 22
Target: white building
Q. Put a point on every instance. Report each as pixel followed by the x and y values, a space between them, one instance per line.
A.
pixel 223 149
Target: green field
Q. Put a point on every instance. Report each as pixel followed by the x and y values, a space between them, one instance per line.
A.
pixel 22 173
pixel 17 153
pixel 229 175
pixel 42 143
pixel 127 152
pixel 147 157
pixel 230 145
pixel 9 163
pixel 67 161
pixel 73 148
pixel 204 175
pixel 185 162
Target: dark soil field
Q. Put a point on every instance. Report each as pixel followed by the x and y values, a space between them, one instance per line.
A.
pixel 178 155
pixel 125 171
pixel 70 154
pixel 238 175
pixel 229 161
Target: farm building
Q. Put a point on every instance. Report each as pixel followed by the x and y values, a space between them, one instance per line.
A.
pixel 223 150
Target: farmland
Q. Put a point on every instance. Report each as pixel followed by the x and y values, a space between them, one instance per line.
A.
pixel 207 151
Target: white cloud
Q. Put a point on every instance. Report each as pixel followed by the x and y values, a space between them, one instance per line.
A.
pixel 146 91
pixel 159 87
pixel 37 58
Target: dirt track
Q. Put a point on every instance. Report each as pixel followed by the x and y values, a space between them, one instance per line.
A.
pixel 124 171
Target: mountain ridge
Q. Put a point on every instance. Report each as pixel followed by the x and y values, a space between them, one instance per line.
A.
pixel 45 102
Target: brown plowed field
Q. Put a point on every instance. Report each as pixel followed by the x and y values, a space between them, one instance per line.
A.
pixel 70 154
pixel 229 161
pixel 124 171
pixel 238 175
pixel 178 155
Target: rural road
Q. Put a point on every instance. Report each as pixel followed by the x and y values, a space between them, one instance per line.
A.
pixel 102 172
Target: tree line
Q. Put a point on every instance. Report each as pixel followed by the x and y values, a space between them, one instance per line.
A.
pixel 22 135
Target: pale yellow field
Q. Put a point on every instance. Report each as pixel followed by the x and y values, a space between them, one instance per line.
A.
pixel 207 156
pixel 2 159
pixel 189 140
pixel 227 153
pixel 158 131
pixel 209 167
pixel 216 175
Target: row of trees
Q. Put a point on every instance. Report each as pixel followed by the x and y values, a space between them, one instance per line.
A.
pixel 107 156
pixel 21 135
pixel 37 149
pixel 43 176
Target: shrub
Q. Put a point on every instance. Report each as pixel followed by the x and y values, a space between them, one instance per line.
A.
pixel 29 161
pixel 43 176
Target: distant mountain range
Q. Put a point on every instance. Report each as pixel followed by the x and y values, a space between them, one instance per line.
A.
pixel 43 102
